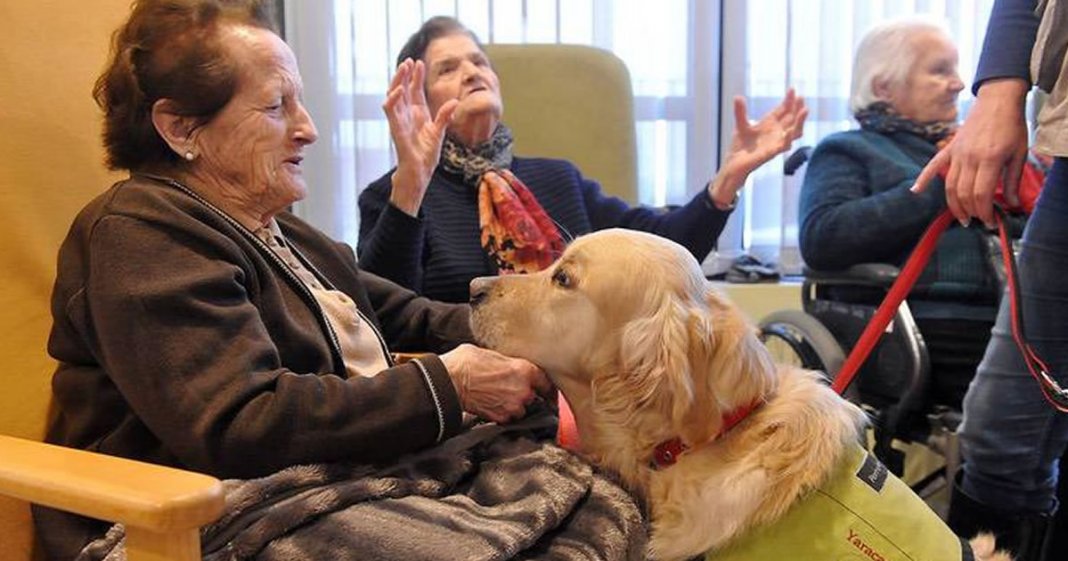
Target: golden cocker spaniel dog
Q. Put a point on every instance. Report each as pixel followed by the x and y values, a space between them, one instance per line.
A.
pixel 672 390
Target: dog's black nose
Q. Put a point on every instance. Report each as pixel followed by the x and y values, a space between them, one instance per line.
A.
pixel 479 290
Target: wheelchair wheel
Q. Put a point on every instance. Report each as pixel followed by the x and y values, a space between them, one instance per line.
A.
pixel 796 338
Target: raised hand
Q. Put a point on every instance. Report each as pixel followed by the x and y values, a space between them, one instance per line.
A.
pixel 493 386
pixel 417 136
pixel 753 144
pixel 990 147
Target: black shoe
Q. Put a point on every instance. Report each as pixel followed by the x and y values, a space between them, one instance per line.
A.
pixel 748 269
pixel 1026 536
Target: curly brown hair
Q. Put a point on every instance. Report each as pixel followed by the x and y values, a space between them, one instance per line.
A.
pixel 168 49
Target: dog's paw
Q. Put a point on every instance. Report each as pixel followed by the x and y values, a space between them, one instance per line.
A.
pixel 984 548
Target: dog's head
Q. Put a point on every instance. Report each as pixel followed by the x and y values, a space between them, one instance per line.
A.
pixel 628 328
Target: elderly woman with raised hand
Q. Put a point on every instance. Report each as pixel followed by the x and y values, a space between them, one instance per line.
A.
pixel 196 323
pixel 856 206
pixel 459 205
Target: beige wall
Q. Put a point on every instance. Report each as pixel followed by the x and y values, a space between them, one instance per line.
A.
pixel 50 165
pixel 759 300
pixel 50 158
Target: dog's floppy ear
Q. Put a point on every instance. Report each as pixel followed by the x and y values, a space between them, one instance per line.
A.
pixel 655 357
pixel 702 330
pixel 735 368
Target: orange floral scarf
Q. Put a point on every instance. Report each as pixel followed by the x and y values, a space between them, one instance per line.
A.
pixel 516 231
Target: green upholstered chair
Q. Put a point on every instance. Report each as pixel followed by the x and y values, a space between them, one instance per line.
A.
pixel 572 102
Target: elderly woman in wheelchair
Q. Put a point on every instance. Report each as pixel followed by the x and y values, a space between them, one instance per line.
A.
pixel 859 222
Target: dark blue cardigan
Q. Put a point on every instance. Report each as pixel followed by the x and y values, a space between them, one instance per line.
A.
pixel 856 207
pixel 438 253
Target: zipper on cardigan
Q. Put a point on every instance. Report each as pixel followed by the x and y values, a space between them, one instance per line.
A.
pixel 433 395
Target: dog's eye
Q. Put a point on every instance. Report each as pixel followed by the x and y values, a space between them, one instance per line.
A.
pixel 561 278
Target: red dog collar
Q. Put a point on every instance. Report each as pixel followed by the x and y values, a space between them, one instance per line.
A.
pixel 667 453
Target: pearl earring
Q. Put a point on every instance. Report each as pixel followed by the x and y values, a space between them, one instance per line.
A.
pixel 190 156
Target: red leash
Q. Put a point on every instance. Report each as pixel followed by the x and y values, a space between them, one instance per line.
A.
pixel 898 291
pixel 1051 390
pixel 1054 394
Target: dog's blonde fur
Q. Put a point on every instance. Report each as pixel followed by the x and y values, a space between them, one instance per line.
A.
pixel 646 351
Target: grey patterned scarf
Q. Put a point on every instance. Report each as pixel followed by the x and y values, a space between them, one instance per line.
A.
pixel 881 117
pixel 471 163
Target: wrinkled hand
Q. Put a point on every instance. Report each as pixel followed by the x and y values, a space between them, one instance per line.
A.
pixel 991 146
pixel 493 386
pixel 416 135
pixel 753 144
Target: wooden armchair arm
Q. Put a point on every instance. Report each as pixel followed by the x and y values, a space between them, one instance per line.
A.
pixel 162 508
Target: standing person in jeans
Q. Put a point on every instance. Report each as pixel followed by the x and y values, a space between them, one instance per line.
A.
pixel 1012 439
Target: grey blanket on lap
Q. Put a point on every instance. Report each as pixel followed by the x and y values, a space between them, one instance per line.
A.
pixel 491 493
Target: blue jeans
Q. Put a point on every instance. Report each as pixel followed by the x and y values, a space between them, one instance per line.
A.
pixel 1012 438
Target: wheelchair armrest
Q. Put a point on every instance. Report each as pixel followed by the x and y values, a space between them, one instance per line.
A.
pixel 795 160
pixel 879 275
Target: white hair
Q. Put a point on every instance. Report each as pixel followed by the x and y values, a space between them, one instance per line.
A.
pixel 887 53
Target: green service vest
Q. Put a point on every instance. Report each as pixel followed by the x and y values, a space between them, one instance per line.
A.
pixel 863 513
